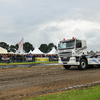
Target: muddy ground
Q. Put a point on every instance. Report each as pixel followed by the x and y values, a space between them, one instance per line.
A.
pixel 20 83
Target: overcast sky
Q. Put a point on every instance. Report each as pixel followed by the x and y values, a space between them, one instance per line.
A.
pixel 49 21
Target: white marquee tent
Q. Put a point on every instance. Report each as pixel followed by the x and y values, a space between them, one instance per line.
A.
pixel 30 51
pixel 36 51
pixel 53 51
pixel 4 51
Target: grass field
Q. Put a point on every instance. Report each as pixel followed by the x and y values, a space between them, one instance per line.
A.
pixel 21 63
pixel 92 93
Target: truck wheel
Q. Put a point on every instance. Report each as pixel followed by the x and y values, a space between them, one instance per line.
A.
pixel 66 66
pixel 83 64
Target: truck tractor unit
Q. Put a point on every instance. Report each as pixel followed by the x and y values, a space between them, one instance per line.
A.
pixel 73 52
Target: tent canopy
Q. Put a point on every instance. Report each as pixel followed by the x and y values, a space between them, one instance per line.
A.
pixel 3 51
pixel 36 51
pixel 53 51
pixel 30 51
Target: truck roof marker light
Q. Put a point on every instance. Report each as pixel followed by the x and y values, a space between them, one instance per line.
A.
pixel 72 37
pixel 63 38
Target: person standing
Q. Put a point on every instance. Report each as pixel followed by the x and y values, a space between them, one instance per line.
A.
pixel 0 58
pixel 33 57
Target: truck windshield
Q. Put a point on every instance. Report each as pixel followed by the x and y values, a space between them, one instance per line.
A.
pixel 66 45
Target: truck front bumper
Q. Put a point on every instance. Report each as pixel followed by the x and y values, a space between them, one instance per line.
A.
pixel 72 61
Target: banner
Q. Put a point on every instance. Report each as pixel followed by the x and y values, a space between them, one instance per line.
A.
pixel 41 59
pixel 20 49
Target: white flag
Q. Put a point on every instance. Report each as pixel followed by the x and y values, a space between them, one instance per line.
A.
pixel 20 49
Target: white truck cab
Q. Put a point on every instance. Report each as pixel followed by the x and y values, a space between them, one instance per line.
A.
pixel 73 52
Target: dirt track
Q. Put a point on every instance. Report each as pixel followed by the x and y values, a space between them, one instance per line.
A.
pixel 19 83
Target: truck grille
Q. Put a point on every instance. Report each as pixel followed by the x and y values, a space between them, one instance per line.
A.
pixel 65 59
pixel 65 54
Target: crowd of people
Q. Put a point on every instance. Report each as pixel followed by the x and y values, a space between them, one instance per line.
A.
pixel 25 57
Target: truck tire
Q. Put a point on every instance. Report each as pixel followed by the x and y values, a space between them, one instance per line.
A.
pixel 66 66
pixel 83 64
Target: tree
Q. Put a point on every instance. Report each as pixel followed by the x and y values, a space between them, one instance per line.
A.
pixel 12 48
pixel 47 48
pixel 43 48
pixel 27 47
pixel 16 46
pixel 4 45
pixel 91 52
pixel 50 46
pixel 55 47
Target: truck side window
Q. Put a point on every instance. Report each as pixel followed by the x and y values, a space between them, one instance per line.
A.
pixel 78 44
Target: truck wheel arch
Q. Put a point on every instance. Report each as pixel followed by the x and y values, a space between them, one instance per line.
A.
pixel 83 60
pixel 83 57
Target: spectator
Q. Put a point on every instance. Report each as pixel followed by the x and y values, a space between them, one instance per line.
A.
pixel 0 58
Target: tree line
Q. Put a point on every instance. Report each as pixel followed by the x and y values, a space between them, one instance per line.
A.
pixel 27 47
